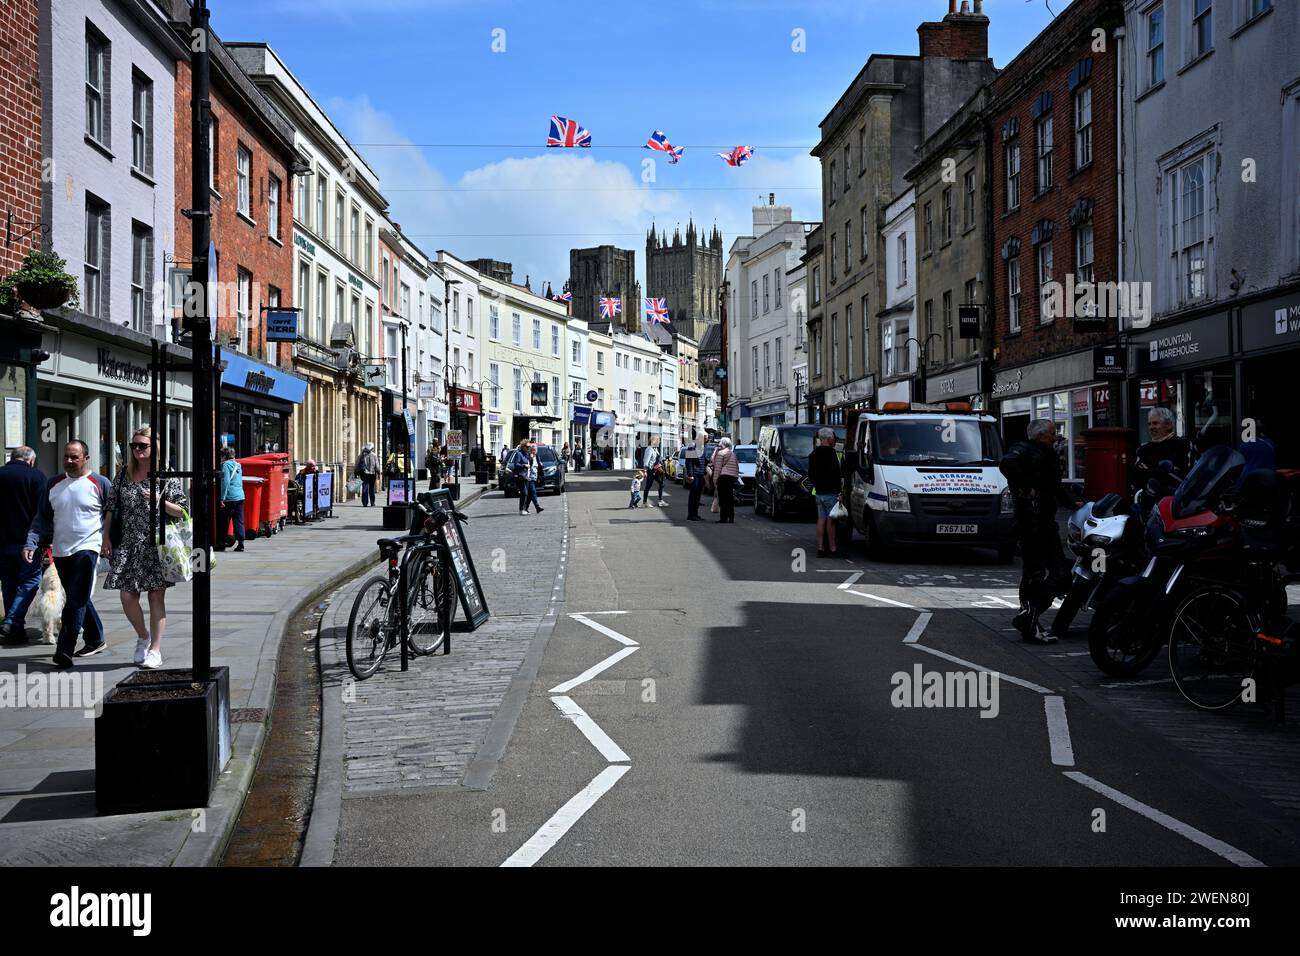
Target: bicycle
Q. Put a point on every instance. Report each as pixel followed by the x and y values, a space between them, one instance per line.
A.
pixel 375 624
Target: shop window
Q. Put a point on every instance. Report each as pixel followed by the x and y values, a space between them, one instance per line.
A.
pixel 1160 393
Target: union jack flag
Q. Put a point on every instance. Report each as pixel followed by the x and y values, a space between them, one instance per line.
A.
pixel 656 310
pixel 659 141
pixel 738 156
pixel 563 297
pixel 567 132
pixel 610 306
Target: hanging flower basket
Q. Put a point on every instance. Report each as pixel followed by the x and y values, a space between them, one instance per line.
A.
pixel 42 283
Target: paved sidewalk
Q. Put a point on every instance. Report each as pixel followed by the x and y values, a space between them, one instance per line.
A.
pixel 448 718
pixel 47 757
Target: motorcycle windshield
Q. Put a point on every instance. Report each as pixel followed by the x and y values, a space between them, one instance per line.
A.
pixel 1215 472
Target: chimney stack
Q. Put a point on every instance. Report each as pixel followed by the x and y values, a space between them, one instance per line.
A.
pixel 960 35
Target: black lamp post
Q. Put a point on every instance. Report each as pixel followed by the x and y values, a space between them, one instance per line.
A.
pixel 921 349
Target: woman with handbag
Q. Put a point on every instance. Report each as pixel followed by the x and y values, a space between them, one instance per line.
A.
pixel 136 566
pixel 726 472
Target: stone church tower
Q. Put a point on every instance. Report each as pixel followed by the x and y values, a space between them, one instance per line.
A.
pixel 600 271
pixel 688 274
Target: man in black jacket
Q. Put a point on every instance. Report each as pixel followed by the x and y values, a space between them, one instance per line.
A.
pixel 1033 470
pixel 21 488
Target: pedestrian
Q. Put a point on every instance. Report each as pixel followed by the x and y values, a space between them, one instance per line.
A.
pixel 526 471
pixel 694 480
pixel 1033 472
pixel 726 472
pixel 653 466
pixel 368 472
pixel 638 477
pixel 826 475
pixel 577 457
pixel 435 464
pixel 70 518
pixel 566 454
pixel 231 497
pixel 21 488
pixel 638 455
pixel 1163 446
pixel 135 566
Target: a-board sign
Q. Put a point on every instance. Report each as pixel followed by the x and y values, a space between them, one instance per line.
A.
pixel 400 492
pixel 325 492
pixel 472 601
pixel 308 495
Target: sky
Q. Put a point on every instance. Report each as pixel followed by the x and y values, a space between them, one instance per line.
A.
pixel 449 101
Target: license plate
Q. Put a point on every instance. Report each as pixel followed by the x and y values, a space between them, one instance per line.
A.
pixel 957 529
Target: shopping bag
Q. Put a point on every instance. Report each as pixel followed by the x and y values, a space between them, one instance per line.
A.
pixel 354 486
pixel 839 512
pixel 174 552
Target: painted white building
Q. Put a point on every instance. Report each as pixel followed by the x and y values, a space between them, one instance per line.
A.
pixel 636 394
pixel 669 417
pixel 763 323
pixel 577 346
pixel 600 379
pixel 418 290
pixel 897 321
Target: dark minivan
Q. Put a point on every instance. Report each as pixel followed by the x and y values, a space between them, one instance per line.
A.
pixel 781 484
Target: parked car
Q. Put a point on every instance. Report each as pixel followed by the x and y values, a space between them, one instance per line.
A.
pixel 747 460
pixel 551 472
pixel 781 484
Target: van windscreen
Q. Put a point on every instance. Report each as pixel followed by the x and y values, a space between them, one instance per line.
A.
pixel 935 441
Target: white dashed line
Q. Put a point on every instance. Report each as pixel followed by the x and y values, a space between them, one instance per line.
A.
pixel 601 628
pixel 554 829
pixel 591 672
pixel 591 730
pixel 853 579
pixel 918 628
pixel 1058 731
pixel 1028 685
pixel 883 600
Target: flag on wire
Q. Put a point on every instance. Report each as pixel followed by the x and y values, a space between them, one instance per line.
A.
pixel 738 156
pixel 656 310
pixel 658 141
pixel 610 306
pixel 567 132
pixel 563 297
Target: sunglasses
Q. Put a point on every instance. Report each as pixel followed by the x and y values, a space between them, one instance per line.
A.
pixel 139 446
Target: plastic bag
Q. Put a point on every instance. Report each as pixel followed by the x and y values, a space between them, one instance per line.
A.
pixel 839 512
pixel 174 553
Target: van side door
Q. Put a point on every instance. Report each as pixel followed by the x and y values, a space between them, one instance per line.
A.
pixel 858 486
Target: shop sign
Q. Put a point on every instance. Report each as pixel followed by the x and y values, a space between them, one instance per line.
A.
pixel 305 244
pixel 856 391
pixel 968 321
pixel 438 411
pixel 1108 362
pixel 253 376
pixel 324 491
pixel 467 402
pixel 356 282
pixel 426 389
pixel 959 383
pixel 256 381
pixel 121 370
pixel 1187 343
pixel 581 414
pixel 1268 324
pixel 1048 375
pixel 282 325
pixel 592 394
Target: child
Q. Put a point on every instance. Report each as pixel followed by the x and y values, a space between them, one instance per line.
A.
pixel 637 479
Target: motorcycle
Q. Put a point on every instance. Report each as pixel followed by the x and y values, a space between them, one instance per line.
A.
pixel 1191 539
pixel 1106 539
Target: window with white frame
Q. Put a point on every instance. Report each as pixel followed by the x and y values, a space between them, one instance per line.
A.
pixel 1082 126
pixel 776 282
pixel 753 364
pixel 848 340
pixel 1013 294
pixel 830 190
pixel 1202 27
pixel 304 297
pixel 947 214
pixel 244 180
pixel 848 165
pixel 273 206
pixel 469 366
pixel 866 334
pixel 555 340
pixel 470 324
pixel 835 240
pixel 848 245
pixel 340 316
pixel 636 364
pixel 622 401
pixel 1044 258
pixel 516 328
pixel 555 395
pixel 928 328
pixel 455 310
pixel 272 302
pixel 93 300
pixel 575 352
pixel 902 259
pixel 537 335
pixel 141 123
pixel 1155 53
pixel 862 150
pixel 322 310
pixel 927 227
pixel 968 214
pixel 600 361
pixel 301 207
pixel 767 296
pixel 494 323
pixel 141 263
pixel 243 307
pixel 780 366
pixel 517 379
pixel 97 112
pixel 1043 131
pixel 1083 253
pixel 888 356
pixel 339 233
pixel 369 264
pixel 835 342
pixel 866 232
pixel 767 365
pixel 390 354
pixel 354 235
pixel 948 354
pixel 1012 159
pixel 815 334
pixel 753 295
pixel 1191 226
pixel 322 200
pixel 406 301
pixel 817 285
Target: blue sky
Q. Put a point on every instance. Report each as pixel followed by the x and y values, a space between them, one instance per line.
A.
pixel 404 79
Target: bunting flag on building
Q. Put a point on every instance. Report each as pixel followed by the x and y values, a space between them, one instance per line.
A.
pixel 567 132
pixel 610 306
pixel 563 297
pixel 659 142
pixel 738 156
pixel 656 310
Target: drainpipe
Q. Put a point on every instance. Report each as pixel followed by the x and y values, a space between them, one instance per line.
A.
pixel 1121 243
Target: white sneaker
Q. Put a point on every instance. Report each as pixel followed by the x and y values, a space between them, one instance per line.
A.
pixel 152 660
pixel 141 647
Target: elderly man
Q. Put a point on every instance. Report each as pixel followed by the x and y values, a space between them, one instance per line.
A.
pixel 1163 446
pixel 826 475
pixel 22 487
pixel 1033 472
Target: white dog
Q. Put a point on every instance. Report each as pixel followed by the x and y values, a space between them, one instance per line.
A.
pixel 49 602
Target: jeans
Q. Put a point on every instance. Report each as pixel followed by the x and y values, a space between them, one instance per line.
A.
pixel 20 582
pixel 232 511
pixel 650 479
pixel 527 495
pixel 693 501
pixel 368 491
pixel 727 498
pixel 77 574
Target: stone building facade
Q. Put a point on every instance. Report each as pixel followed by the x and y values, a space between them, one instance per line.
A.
pixel 602 271
pixel 688 273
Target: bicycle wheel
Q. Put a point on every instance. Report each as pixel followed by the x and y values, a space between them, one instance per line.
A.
pixel 424 604
pixel 1212 651
pixel 368 628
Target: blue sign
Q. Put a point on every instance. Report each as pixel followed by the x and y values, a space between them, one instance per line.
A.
pixel 581 414
pixel 603 419
pixel 282 325
pixel 243 372
pixel 592 394
pixel 325 491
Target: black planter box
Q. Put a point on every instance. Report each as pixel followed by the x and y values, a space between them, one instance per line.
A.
pixel 396 517
pixel 156 748
pixel 181 676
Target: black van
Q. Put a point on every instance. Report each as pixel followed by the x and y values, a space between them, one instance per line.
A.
pixel 781 484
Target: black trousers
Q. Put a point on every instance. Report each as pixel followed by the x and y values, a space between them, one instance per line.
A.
pixel 1045 566
pixel 693 499
pixel 727 498
pixel 650 479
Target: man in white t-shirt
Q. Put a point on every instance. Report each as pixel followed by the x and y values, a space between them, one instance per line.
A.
pixel 71 518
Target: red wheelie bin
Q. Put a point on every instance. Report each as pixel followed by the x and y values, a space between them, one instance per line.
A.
pixel 273 469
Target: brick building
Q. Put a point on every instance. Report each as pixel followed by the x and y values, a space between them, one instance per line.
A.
pixel 1052 127
pixel 20 197
pixel 253 159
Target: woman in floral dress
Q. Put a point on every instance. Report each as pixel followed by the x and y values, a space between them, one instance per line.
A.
pixel 136 568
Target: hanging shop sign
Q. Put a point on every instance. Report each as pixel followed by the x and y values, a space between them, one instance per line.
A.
pixel 581 414
pixel 1108 362
pixel 281 325
pixel 1273 322
pixel 968 321
pixel 467 402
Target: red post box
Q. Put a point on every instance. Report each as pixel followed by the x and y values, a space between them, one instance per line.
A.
pixel 1108 460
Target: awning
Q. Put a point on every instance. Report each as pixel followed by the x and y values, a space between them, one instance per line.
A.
pixel 261 379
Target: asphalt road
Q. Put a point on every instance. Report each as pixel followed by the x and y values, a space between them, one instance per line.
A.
pixel 750 718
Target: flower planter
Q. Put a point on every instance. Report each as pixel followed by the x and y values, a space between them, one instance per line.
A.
pixel 177 676
pixel 156 748
pixel 44 295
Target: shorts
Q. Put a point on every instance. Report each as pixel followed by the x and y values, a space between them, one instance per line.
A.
pixel 824 505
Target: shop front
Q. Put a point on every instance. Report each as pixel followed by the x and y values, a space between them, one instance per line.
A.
pixel 1269 337
pixel 964 384
pixel 95 386
pixel 20 354
pixel 257 405
pixel 858 393
pixel 1064 389
pixel 466 427
pixel 1186 367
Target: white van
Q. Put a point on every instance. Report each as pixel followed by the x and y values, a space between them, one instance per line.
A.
pixel 928 474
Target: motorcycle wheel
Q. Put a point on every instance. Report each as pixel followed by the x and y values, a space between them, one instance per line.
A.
pixel 1074 599
pixel 1121 638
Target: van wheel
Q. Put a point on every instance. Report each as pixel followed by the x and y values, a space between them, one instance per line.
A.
pixel 871 541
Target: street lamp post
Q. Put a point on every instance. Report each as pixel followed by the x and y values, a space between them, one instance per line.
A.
pixel 921 349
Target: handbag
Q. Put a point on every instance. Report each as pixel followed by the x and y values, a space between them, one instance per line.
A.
pixel 839 512
pixel 174 552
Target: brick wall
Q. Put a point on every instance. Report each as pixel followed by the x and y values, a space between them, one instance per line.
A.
pixel 241 244
pixel 20 125
pixel 1046 66
pixel 956 37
